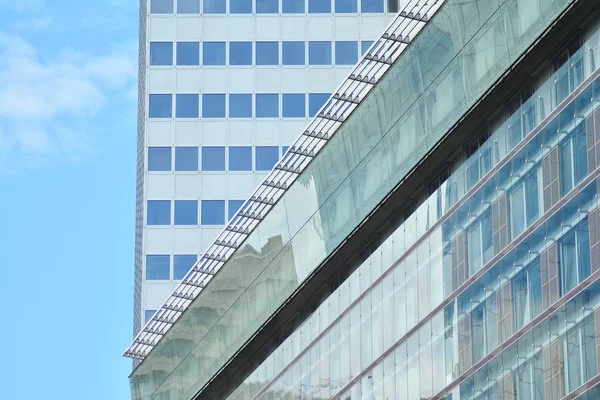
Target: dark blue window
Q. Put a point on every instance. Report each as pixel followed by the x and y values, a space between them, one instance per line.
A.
pixel 266 157
pixel 240 6
pixel 371 6
pixel 267 6
pixel 319 6
pixel 213 106
pixel 182 263
pixel 293 53
pixel 315 102
pixel 148 314
pixel 267 105
pixel 214 6
pixel 284 149
pixel 240 106
pixel 234 207
pixel 186 159
pixel 293 6
pixel 158 267
pixel 346 6
pixel 240 158
pixel 213 158
pixel 319 53
pixel 346 52
pixel 294 105
pixel 188 6
pixel 213 53
pixel 364 46
pixel 161 6
pixel 186 106
pixel 267 53
pixel 161 53
pixel 188 53
pixel 186 212
pixel 159 158
pixel 240 53
pixel 159 212
pixel 213 212
pixel 160 106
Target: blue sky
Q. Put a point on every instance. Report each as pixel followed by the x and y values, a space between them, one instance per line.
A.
pixel 67 172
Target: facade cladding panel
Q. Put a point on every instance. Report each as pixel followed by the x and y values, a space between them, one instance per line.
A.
pixel 487 288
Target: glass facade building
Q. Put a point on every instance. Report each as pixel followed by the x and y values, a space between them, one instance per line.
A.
pixel 483 283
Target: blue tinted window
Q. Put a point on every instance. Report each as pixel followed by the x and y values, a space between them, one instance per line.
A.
pixel 293 6
pixel 186 159
pixel 266 157
pixel 188 53
pixel 294 105
pixel 292 53
pixel 148 314
pixel 213 106
pixel 267 6
pixel 346 6
pixel 159 212
pixel 213 158
pixel 364 46
pixel 267 105
pixel 213 212
pixel 182 263
pixel 240 158
pixel 240 106
pixel 186 106
pixel 319 6
pixel 188 6
pixel 161 6
pixel 240 53
pixel 158 267
pixel 315 102
pixel 186 212
pixel 371 6
pixel 159 158
pixel 234 207
pixel 346 52
pixel 213 53
pixel 160 106
pixel 319 53
pixel 240 6
pixel 214 6
pixel 161 53
pixel 284 150
pixel 267 53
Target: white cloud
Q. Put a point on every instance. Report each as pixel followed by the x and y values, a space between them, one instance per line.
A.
pixel 48 107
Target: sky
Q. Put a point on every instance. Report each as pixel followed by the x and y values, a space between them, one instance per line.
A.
pixel 68 84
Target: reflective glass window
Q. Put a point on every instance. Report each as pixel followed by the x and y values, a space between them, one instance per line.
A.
pixel 182 263
pixel 364 46
pixel 186 159
pixel 240 158
pixel 158 267
pixel 319 53
pixel 266 157
pixel 159 158
pixel 240 6
pixel 284 150
pixel 161 53
pixel 371 6
pixel 213 106
pixel 240 106
pixel 213 158
pixel 187 106
pixel 188 53
pixel 186 212
pixel 234 206
pixel 148 314
pixel 315 102
pixel 158 212
pixel 346 6
pixel 346 52
pixel 267 53
pixel 213 53
pixel 213 212
pixel 319 6
pixel 267 6
pixel 267 105
pixel 292 53
pixel 293 6
pixel 188 6
pixel 240 53
pixel 214 6
pixel 161 6
pixel 160 106
pixel 393 6
pixel 293 105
